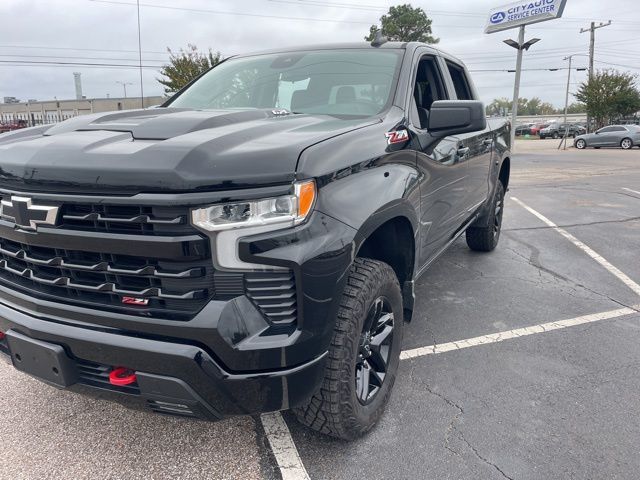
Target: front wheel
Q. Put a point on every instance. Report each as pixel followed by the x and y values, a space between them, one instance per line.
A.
pixel 363 356
pixel 626 144
pixel 581 144
pixel 485 239
pixel 556 135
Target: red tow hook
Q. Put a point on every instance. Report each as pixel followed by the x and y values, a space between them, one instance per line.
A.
pixel 122 376
pixel 2 335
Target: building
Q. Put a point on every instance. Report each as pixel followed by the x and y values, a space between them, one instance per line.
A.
pixel 53 111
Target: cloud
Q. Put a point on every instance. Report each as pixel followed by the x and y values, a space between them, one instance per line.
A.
pixel 107 32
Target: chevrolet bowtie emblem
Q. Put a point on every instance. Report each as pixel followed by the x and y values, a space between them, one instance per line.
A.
pixel 26 215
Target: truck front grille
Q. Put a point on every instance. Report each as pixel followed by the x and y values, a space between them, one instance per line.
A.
pixel 133 219
pixel 167 288
pixel 138 260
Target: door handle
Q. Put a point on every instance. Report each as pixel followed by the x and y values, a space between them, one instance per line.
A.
pixel 487 142
pixel 462 151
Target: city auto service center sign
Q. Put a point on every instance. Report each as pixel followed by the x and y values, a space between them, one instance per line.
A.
pixel 523 13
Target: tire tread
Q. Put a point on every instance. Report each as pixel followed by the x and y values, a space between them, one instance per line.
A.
pixel 329 410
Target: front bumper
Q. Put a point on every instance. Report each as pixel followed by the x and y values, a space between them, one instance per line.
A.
pixel 172 377
pixel 222 361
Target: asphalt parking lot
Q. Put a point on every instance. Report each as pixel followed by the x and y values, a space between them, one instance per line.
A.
pixel 542 402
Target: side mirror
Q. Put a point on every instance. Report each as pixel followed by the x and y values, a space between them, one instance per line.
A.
pixel 453 117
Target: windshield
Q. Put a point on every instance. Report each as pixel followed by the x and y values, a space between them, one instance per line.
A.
pixel 335 82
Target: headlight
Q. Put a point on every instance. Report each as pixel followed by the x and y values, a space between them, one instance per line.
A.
pixel 285 211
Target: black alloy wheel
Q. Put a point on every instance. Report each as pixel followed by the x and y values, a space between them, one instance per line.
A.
pixel 498 211
pixel 485 238
pixel 374 350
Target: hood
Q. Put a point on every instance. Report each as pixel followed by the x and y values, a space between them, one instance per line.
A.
pixel 163 150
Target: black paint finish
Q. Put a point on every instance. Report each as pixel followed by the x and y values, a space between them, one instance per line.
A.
pixel 228 353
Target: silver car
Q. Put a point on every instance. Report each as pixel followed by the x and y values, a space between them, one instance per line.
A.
pixel 623 136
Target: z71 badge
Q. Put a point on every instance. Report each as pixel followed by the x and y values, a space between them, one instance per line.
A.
pixel 397 136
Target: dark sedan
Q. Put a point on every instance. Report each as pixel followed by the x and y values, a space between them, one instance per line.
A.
pixel 623 136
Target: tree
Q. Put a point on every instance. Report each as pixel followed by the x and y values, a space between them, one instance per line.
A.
pixel 499 106
pixel 186 65
pixel 609 95
pixel 404 23
pixel 576 107
pixel 534 106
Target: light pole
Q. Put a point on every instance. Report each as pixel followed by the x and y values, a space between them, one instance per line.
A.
pixel 124 85
pixel 520 45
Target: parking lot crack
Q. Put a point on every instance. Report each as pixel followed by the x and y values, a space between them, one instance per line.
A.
pixel 453 431
pixel 482 457
pixel 534 261
pixel 451 428
pixel 573 225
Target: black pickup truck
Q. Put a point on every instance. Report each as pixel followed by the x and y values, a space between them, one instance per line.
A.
pixel 252 245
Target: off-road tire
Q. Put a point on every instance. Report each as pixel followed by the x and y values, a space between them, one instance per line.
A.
pixel 485 239
pixel 335 409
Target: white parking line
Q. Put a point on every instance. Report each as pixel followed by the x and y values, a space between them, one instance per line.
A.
pixel 632 191
pixel 586 249
pixel 517 333
pixel 283 448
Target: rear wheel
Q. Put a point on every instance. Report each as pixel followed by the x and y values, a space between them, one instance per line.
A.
pixel 485 239
pixel 581 144
pixel 363 357
pixel 626 144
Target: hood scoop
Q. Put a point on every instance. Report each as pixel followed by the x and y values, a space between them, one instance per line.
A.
pixel 163 123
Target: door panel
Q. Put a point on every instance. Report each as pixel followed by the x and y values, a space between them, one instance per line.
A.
pixel 443 169
pixel 478 159
pixel 443 188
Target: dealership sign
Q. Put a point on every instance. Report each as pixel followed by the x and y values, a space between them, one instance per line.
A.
pixel 523 13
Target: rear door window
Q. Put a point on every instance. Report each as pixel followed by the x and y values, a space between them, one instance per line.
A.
pixel 460 81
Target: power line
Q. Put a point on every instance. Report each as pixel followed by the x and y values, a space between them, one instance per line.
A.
pixel 41 47
pixel 80 58
pixel 618 65
pixel 241 14
pixel 82 64
pixel 357 6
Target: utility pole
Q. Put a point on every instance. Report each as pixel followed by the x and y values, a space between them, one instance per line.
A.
pixel 566 98
pixel 140 56
pixel 124 85
pixel 566 105
pixel 592 47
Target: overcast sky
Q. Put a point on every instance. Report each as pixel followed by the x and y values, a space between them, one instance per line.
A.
pixel 89 31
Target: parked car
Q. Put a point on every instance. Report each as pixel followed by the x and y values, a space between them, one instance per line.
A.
pixel 623 136
pixel 535 130
pixel 250 246
pixel 574 130
pixel 8 127
pixel 557 130
pixel 523 129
